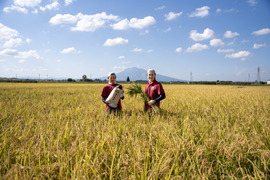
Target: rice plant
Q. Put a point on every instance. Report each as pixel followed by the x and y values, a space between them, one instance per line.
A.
pixel 135 89
pixel 62 131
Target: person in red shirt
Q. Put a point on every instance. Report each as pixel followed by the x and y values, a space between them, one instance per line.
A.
pixel 111 107
pixel 154 90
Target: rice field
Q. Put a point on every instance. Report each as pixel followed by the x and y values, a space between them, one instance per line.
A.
pixel 62 131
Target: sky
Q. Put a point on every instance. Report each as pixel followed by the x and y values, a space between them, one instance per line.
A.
pixel 212 40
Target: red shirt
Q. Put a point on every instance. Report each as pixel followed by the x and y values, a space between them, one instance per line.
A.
pixel 153 89
pixel 106 92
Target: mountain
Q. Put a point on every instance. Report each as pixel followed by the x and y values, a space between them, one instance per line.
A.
pixel 135 74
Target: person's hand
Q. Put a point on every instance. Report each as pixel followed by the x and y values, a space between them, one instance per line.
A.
pixel 113 105
pixel 151 102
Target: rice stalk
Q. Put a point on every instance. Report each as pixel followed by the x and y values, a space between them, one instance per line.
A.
pixel 136 89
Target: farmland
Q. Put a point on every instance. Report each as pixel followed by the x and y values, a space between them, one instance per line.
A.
pixel 62 131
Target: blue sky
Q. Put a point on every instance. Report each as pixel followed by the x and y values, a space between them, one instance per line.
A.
pixel 215 40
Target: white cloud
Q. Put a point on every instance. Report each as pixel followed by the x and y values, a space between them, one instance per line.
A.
pixel 172 15
pixel 230 34
pixel 252 2
pixel 21 61
pixel 257 46
pixel 225 50
pixel 90 23
pixel 261 32
pixel 241 54
pixel 28 41
pixel 15 8
pixel 145 32
pixel 121 57
pixel 137 50
pixel 68 2
pixel 120 67
pixel 70 50
pixel 160 8
pixel 150 50
pixel 230 43
pixel 21 5
pixel 63 19
pixel 9 52
pixel 216 42
pixel 93 22
pixel 226 10
pixel 17 54
pixel 116 41
pixel 230 10
pixel 13 43
pixel 197 47
pixel 27 3
pixel 207 34
pixel 121 25
pixel 167 30
pixel 134 23
pixel 6 33
pixel 28 54
pixel 35 11
pixel 200 12
pixel 178 49
pixel 51 6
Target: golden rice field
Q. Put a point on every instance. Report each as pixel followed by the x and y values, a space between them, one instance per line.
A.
pixel 61 131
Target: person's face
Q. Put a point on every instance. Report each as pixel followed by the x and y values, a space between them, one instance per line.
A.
pixel 112 79
pixel 151 76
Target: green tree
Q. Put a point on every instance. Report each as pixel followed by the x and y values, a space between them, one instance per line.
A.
pixel 69 79
pixel 128 80
pixel 84 77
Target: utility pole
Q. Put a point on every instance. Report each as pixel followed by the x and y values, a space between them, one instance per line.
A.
pixel 258 76
pixel 191 78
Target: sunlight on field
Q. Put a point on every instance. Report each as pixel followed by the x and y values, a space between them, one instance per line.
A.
pixel 62 131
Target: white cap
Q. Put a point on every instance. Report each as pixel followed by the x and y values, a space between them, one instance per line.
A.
pixel 111 73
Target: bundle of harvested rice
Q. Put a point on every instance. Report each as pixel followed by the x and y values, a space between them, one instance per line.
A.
pixel 136 89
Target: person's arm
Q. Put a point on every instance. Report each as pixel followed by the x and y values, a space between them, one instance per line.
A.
pixel 109 104
pixel 161 97
pixel 104 94
pixel 122 94
pixel 104 100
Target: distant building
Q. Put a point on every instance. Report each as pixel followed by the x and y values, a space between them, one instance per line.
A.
pixel 268 81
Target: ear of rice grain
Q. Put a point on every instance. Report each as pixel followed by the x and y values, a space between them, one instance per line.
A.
pixel 136 89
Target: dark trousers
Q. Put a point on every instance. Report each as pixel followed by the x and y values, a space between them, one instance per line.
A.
pixel 114 111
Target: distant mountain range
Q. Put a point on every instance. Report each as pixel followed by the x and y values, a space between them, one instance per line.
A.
pixel 135 74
